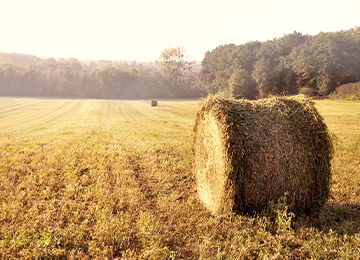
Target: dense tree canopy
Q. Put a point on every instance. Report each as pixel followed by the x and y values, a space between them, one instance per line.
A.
pixel 286 65
pixel 219 64
pixel 292 64
pixel 28 75
pixel 242 84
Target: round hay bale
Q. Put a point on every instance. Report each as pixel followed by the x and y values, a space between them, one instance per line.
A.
pixel 153 103
pixel 248 153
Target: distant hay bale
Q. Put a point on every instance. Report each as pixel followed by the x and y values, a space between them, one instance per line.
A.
pixel 248 153
pixel 153 103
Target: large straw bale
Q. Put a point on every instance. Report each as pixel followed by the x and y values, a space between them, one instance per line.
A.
pixel 248 153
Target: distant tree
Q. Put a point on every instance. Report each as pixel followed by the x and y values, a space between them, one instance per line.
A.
pixel 266 62
pixel 273 71
pixel 92 65
pixel 246 55
pixel 265 77
pixel 76 66
pixel 328 60
pixel 10 79
pixel 91 84
pixel 175 69
pixel 125 66
pixel 349 91
pixel 70 60
pixel 217 67
pixel 4 60
pixel 99 79
pixel 51 61
pixel 29 80
pixel 242 85
pixel 20 59
pixel 133 64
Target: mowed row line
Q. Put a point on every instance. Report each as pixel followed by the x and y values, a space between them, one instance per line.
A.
pixel 159 121
pixel 36 115
pixel 26 116
pixel 8 105
pixel 47 121
pixel 51 114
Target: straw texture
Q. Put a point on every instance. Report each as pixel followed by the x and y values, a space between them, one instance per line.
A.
pixel 248 153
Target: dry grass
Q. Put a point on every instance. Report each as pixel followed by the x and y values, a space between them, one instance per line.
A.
pixel 97 179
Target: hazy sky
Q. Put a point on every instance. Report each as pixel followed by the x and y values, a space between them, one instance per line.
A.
pixel 140 29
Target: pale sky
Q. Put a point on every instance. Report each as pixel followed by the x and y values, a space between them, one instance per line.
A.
pixel 141 29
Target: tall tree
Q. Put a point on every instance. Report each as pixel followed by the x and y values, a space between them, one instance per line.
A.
pixel 175 69
pixel 217 67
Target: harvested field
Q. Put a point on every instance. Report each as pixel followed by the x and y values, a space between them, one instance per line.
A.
pixel 99 179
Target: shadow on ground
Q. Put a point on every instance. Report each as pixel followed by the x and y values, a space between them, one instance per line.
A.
pixel 343 219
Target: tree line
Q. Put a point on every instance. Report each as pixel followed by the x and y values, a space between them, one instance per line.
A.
pixel 28 75
pixel 295 63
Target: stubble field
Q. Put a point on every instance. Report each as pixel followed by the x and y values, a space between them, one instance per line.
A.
pixel 107 179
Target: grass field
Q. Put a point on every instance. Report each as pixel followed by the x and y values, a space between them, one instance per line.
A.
pixel 98 179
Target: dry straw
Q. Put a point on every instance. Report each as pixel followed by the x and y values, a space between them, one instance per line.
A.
pixel 153 103
pixel 248 153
